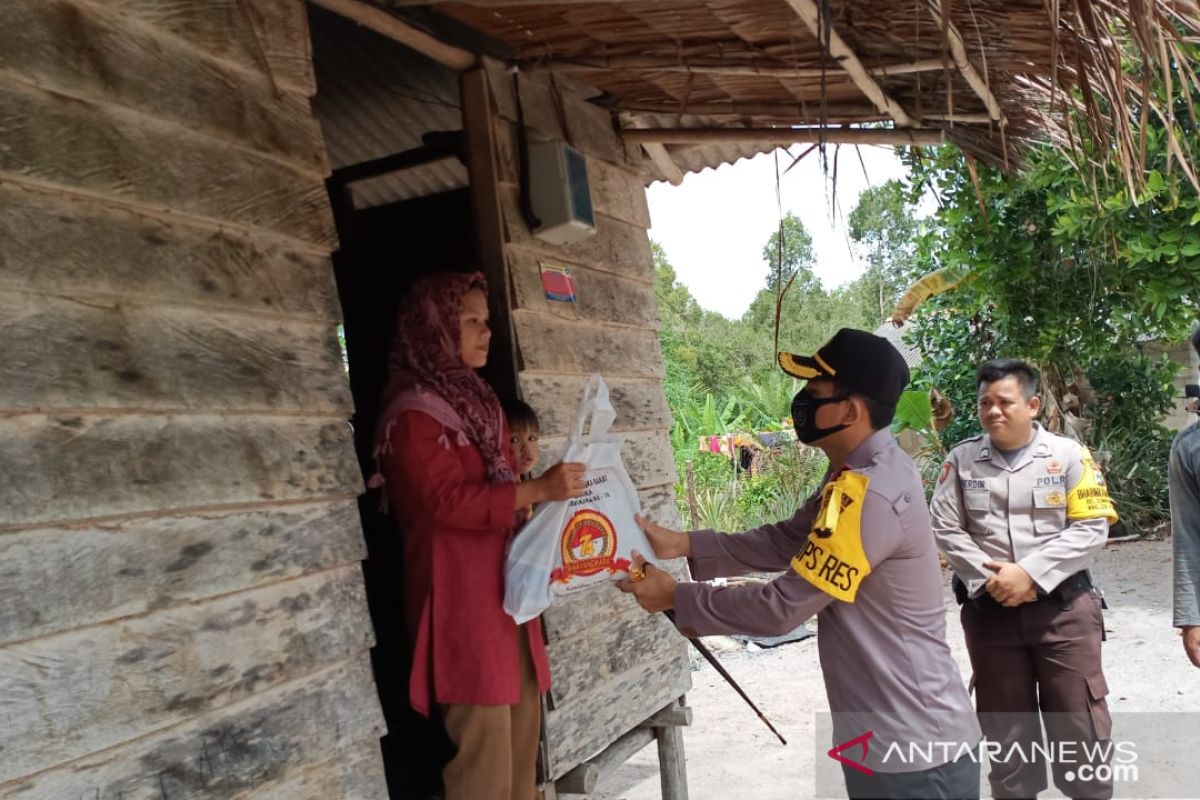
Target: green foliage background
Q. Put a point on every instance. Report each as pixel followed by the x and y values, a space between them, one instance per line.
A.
pixel 1072 271
pixel 722 375
pixel 1065 267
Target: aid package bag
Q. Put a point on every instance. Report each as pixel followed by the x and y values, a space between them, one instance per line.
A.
pixel 569 545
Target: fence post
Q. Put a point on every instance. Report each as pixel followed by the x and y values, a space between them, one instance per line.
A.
pixel 693 506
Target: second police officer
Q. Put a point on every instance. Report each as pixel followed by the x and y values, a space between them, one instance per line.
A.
pixel 1020 513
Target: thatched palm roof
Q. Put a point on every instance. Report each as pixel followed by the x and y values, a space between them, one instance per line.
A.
pixel 981 73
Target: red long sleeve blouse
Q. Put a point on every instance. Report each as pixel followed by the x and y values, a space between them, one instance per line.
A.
pixel 456 528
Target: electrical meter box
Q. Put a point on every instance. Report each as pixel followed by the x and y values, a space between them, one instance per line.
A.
pixel 559 193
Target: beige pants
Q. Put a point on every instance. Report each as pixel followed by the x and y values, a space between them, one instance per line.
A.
pixel 497 745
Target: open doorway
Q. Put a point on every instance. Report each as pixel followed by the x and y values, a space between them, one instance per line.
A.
pixel 393 128
pixel 374 266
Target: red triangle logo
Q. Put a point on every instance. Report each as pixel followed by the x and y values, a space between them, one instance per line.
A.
pixel 836 753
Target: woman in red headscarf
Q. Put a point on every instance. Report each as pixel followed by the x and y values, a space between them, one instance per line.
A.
pixel 443 451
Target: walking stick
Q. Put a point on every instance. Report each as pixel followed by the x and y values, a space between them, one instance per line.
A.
pixel 712 659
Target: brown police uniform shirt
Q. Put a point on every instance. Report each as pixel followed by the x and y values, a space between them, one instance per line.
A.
pixel 880 610
pixel 1048 512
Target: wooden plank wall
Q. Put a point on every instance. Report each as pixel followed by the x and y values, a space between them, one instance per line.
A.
pixel 612 664
pixel 181 604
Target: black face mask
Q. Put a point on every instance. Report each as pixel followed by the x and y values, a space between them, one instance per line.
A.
pixel 804 416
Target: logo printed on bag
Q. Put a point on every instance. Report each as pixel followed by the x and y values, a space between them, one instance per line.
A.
pixel 588 542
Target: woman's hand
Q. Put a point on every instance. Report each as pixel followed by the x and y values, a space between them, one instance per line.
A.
pixel 665 542
pixel 560 482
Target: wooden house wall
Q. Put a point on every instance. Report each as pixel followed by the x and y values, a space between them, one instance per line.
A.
pixel 612 664
pixel 181 602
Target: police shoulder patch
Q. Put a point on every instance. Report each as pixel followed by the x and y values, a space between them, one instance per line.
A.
pixel 1088 498
pixel 833 558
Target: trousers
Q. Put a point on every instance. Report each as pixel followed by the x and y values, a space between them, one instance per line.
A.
pixel 956 780
pixel 497 745
pixel 1042 656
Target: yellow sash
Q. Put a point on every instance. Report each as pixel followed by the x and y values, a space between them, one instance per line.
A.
pixel 833 559
pixel 1089 498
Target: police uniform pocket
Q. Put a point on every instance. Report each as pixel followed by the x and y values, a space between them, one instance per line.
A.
pixel 1049 510
pixel 1101 719
pixel 977 502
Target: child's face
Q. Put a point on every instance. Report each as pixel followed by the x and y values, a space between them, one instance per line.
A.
pixel 524 443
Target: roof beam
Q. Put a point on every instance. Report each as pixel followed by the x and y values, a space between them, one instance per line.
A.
pixel 801 112
pixel 713 66
pixel 503 3
pixel 785 136
pixel 656 152
pixel 958 50
pixel 957 116
pixel 838 49
pixel 397 30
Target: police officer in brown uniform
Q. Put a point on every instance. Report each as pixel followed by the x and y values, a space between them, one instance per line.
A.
pixel 1020 512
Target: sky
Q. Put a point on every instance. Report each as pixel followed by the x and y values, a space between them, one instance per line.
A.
pixel 714 225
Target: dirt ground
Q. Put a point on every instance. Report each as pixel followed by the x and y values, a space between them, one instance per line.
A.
pixel 731 754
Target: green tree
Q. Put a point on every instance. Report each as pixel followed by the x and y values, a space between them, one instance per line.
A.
pixel 1077 278
pixel 789 253
pixel 810 314
pixel 704 351
pixel 884 231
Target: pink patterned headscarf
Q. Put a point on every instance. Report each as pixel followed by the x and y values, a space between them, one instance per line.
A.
pixel 427 373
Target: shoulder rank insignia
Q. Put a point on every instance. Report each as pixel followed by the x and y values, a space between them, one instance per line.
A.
pixel 1088 499
pixel 833 559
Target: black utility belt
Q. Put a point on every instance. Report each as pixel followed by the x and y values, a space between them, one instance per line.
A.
pixel 1072 586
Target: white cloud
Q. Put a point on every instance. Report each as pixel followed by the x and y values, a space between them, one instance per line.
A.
pixel 714 225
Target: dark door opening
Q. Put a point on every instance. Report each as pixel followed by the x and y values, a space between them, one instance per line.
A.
pixel 393 128
pixel 383 250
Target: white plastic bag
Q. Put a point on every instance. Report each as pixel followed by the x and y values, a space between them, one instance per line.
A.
pixel 570 545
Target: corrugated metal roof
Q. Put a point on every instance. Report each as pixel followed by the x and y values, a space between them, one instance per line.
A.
pixel 696 158
pixel 895 335
pixel 375 98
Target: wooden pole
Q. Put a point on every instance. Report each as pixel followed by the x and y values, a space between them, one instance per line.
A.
pixel 693 505
pixel 957 117
pixel 801 112
pixel 838 49
pixel 637 63
pixel 583 779
pixel 657 153
pixel 672 768
pixel 398 30
pixel 976 81
pixel 484 175
pixel 786 136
